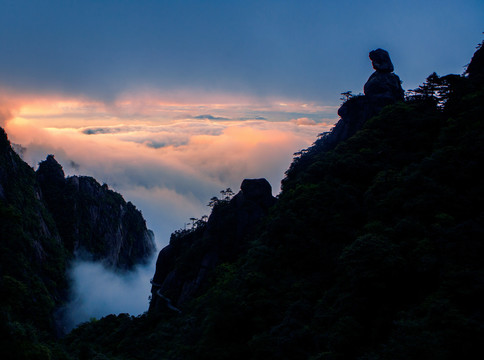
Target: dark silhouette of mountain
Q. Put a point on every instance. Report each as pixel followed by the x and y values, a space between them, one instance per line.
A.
pixel 45 221
pixel 93 221
pixel 183 267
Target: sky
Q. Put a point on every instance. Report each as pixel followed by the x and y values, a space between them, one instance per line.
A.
pixel 169 102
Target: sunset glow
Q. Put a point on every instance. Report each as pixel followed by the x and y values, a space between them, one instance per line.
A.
pixel 182 150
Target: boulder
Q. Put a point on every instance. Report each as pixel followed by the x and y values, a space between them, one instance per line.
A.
pixel 380 59
pixel 383 86
pixel 258 190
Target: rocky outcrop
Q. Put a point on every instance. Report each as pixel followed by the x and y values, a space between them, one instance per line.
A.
pixel 382 88
pixel 51 172
pixel 475 69
pixel 94 222
pixel 183 267
pixel 380 60
pixel 4 144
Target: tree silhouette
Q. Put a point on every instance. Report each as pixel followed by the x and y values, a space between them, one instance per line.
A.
pixel 345 96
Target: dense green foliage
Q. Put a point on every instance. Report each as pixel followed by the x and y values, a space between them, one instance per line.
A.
pixel 373 251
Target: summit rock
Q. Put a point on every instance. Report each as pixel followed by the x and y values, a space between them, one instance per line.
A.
pixel 185 265
pixel 383 86
pixel 380 59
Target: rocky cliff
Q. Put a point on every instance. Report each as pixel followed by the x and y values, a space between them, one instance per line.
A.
pixel 33 260
pixel 382 88
pixel 94 222
pixel 185 264
pixel 45 221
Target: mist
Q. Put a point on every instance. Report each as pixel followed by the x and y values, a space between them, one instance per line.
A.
pixel 97 291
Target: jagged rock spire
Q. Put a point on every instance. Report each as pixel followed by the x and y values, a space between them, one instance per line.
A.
pixel 51 171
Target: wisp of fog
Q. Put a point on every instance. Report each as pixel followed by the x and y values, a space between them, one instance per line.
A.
pixel 97 291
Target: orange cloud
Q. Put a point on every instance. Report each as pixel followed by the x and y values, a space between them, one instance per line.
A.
pixel 147 107
pixel 143 145
pixel 303 121
pixel 9 106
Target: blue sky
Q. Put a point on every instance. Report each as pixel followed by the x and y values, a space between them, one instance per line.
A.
pixel 308 50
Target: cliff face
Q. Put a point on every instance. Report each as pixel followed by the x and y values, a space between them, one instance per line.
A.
pixel 183 267
pixel 46 220
pixel 32 258
pixel 94 222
